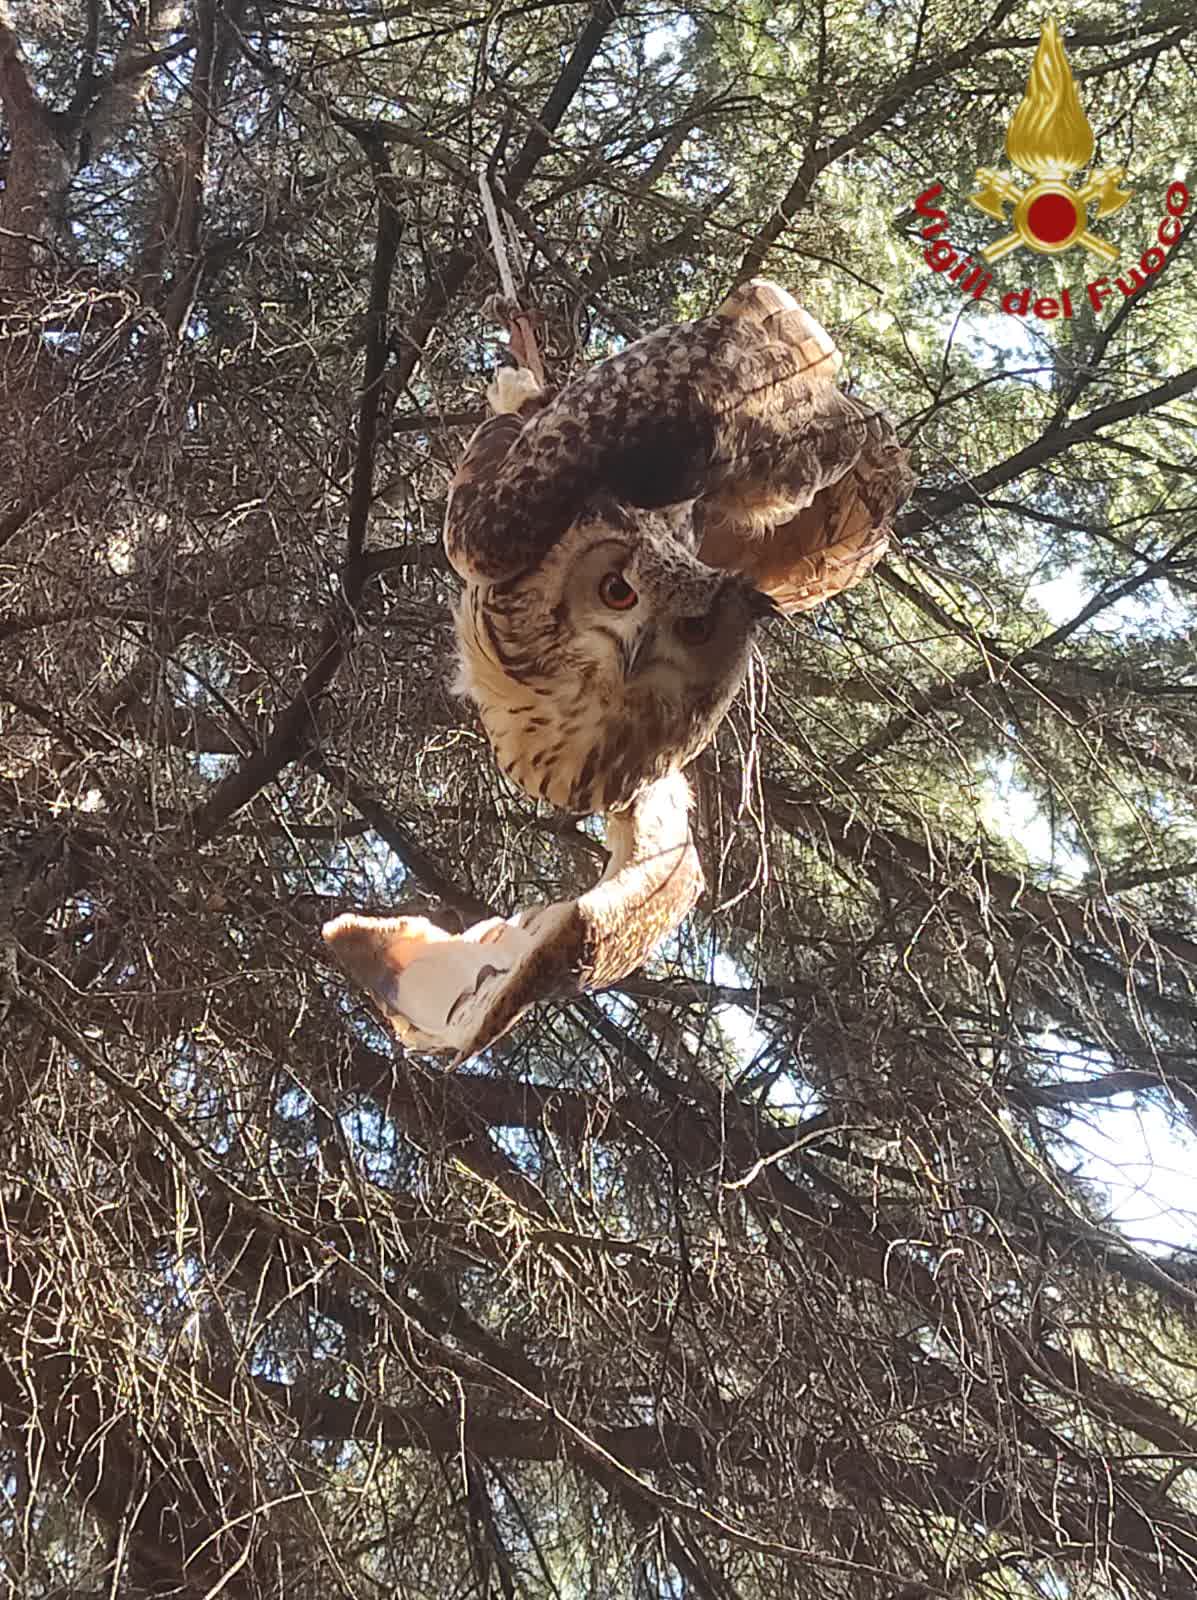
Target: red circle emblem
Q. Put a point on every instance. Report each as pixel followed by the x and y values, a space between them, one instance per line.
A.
pixel 1051 218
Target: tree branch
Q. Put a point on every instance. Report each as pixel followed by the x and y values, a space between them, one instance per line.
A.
pixel 295 727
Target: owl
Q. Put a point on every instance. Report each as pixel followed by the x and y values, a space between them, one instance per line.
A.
pixel 621 543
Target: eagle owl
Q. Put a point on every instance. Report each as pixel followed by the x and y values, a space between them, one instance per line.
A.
pixel 621 543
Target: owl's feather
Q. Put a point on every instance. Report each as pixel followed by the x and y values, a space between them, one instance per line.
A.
pixel 459 993
pixel 705 467
pixel 739 413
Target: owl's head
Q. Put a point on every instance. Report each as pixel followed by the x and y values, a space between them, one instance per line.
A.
pixel 649 615
pixel 649 647
pixel 612 663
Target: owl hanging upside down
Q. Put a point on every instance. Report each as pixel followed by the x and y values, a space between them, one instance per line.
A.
pixel 620 544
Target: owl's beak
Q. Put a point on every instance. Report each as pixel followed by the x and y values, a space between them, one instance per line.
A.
pixel 639 653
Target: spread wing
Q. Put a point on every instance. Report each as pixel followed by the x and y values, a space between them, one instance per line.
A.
pixel 859 475
pixel 794 482
pixel 442 992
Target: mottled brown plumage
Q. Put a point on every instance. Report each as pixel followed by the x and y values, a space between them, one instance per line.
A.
pixel 719 472
pixel 619 544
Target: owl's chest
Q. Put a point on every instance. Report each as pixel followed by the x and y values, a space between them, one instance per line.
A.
pixel 561 724
pixel 551 744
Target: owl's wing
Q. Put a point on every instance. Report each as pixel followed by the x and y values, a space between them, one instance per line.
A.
pixel 739 412
pixel 458 994
pixel 859 475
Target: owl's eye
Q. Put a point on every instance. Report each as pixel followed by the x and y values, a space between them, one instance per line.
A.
pixel 615 591
pixel 695 630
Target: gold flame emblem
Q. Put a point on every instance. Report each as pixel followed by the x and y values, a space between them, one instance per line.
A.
pixel 1049 137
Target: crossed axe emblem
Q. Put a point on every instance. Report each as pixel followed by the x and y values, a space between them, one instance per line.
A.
pixel 1050 216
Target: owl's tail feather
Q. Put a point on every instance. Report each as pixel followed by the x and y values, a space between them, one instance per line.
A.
pixel 459 993
pixel 827 547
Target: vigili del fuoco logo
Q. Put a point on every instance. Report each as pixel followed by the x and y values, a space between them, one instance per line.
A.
pixel 1050 140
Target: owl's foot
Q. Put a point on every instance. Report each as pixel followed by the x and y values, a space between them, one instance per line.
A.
pixel 511 389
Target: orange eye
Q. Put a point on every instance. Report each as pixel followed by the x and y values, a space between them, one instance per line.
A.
pixel 615 591
pixel 695 630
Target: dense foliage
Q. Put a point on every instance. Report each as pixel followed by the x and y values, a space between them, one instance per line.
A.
pixel 782 1269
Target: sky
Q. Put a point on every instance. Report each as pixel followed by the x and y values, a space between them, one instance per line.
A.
pixel 1145 1163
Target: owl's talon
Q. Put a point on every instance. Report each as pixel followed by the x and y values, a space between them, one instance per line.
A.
pixel 510 389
